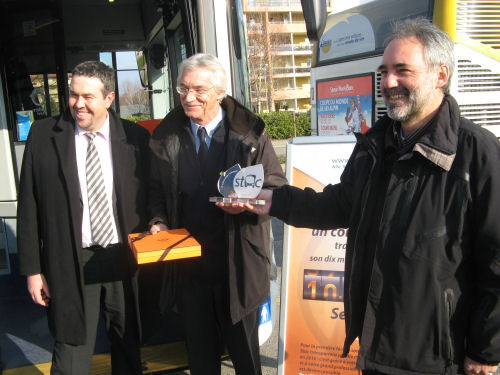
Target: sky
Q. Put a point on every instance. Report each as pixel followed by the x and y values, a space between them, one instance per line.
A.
pixel 124 60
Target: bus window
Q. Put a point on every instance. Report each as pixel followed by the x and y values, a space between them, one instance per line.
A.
pixel 158 81
pixel 31 63
pixel 176 52
pixel 133 98
pixel 362 30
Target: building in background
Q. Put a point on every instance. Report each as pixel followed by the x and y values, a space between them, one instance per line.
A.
pixel 279 55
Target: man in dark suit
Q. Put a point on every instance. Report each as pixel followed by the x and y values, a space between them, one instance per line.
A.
pixel 82 190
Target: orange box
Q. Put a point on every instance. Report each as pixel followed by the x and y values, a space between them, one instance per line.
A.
pixel 164 245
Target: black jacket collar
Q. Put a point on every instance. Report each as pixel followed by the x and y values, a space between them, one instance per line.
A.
pixel 438 143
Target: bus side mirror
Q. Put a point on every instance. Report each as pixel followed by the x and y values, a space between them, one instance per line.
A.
pixel 142 68
pixel 315 17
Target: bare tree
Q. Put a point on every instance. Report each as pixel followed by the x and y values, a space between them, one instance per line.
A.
pixel 259 62
pixel 133 94
pixel 263 62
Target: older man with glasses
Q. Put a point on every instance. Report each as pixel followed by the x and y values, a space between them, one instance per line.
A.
pixel 218 294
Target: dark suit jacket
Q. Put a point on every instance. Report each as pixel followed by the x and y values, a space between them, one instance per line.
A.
pixel 50 211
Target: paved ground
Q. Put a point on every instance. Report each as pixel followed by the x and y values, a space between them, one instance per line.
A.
pixel 280 146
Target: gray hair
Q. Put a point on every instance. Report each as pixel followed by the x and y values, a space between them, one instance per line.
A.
pixel 205 61
pixel 99 70
pixel 438 46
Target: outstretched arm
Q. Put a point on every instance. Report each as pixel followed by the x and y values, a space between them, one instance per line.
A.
pixel 475 368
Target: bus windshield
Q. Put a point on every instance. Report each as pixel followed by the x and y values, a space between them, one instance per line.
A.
pixel 361 30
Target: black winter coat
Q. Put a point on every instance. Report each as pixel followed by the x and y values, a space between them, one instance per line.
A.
pixel 434 288
pixel 247 235
pixel 50 211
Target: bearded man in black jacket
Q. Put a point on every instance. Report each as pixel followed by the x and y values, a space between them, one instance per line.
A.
pixel 420 196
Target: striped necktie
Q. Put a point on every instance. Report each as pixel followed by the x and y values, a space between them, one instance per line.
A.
pixel 100 218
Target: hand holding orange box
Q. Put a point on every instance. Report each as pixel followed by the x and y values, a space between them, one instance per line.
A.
pixel 164 245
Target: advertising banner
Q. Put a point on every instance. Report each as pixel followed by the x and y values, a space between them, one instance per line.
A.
pixel 350 36
pixel 345 105
pixel 312 329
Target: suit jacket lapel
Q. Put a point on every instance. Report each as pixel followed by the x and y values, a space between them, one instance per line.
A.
pixel 64 143
pixel 123 167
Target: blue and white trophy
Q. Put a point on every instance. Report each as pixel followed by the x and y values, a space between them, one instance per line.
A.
pixel 240 185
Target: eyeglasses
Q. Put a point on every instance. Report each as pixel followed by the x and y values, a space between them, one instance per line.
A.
pixel 197 92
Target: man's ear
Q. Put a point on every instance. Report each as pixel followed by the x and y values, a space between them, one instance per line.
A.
pixel 221 95
pixel 109 99
pixel 443 75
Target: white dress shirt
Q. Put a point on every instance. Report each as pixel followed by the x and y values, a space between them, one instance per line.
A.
pixel 211 127
pixel 103 145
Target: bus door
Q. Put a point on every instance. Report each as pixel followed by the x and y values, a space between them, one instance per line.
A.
pixel 33 87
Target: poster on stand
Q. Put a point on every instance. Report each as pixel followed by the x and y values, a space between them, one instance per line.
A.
pixel 312 329
pixel 345 105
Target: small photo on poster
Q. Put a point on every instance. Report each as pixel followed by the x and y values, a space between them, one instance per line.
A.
pixel 345 105
pixel 24 121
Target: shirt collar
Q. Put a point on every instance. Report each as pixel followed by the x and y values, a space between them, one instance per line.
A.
pixel 103 131
pixel 414 142
pixel 211 126
pixel 407 142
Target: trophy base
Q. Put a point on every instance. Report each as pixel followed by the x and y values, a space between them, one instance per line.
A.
pixel 259 202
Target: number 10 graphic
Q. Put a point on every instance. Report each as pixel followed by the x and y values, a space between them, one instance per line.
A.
pixel 323 285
